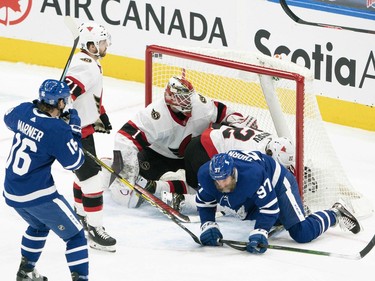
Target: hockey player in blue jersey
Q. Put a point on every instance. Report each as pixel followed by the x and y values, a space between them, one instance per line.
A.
pixel 253 186
pixel 40 138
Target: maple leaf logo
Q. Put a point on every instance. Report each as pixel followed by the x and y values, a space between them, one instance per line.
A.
pixel 14 12
pixel 11 4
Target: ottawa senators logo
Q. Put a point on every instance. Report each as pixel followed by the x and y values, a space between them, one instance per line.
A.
pixel 145 165
pixel 155 115
pixel 202 98
pixel 86 60
pixel 13 12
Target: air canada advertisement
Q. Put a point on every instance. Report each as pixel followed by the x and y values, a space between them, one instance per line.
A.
pixel 343 62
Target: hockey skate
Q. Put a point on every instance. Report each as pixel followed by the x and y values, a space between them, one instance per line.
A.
pixel 346 219
pixel 99 239
pixel 176 201
pixel 25 274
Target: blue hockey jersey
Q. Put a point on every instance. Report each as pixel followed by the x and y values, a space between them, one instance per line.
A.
pixel 39 140
pixel 260 181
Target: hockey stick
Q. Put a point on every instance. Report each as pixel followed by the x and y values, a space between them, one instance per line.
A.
pixel 241 246
pixel 167 210
pixel 69 22
pixel 295 18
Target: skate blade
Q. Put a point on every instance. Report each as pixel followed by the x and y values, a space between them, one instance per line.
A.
pixel 99 247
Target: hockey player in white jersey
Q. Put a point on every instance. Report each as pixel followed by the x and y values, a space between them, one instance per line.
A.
pixel 40 138
pixel 152 144
pixel 85 79
pixel 222 138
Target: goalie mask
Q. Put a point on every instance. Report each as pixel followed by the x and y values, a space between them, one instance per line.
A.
pixel 93 33
pixel 178 95
pixel 282 150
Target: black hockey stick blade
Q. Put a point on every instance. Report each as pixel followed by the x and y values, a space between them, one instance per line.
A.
pixel 241 246
pixel 69 22
pixel 164 208
pixel 297 19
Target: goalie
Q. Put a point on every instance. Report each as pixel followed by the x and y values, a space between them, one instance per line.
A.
pixel 149 149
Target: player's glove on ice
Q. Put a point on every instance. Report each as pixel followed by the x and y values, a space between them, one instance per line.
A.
pixel 75 122
pixel 211 234
pixel 102 125
pixel 258 241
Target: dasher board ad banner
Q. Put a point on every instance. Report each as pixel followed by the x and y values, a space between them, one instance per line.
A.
pixel 343 62
pixel 355 8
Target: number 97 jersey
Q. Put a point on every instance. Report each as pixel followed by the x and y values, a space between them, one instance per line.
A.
pixel 38 141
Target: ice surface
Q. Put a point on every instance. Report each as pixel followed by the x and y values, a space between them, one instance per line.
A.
pixel 150 246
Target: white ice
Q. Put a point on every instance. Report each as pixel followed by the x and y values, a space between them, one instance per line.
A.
pixel 150 246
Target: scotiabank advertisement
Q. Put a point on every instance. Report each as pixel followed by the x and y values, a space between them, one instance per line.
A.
pixel 342 61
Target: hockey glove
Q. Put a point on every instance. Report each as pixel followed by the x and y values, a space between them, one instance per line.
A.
pixel 99 127
pixel 211 234
pixel 258 241
pixel 105 120
pixel 242 122
pixel 102 125
pixel 75 122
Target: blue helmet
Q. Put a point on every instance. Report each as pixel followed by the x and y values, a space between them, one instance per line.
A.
pixel 51 91
pixel 221 166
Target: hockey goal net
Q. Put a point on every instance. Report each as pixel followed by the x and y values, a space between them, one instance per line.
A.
pixel 279 94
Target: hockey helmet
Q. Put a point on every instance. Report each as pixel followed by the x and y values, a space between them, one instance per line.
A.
pixel 178 94
pixel 221 166
pixel 91 32
pixel 282 150
pixel 52 91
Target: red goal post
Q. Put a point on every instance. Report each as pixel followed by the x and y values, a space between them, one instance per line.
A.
pixel 272 90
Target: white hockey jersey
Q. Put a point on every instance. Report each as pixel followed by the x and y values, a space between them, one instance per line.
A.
pixel 167 133
pixel 85 79
pixel 228 138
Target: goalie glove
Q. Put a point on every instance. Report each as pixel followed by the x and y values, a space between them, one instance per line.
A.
pixel 258 241
pixel 241 122
pixel 211 234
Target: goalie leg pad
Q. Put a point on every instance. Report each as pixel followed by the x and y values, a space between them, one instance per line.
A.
pixel 123 196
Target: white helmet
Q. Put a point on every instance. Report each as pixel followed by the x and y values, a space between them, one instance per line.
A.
pixel 94 33
pixel 178 94
pixel 282 150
